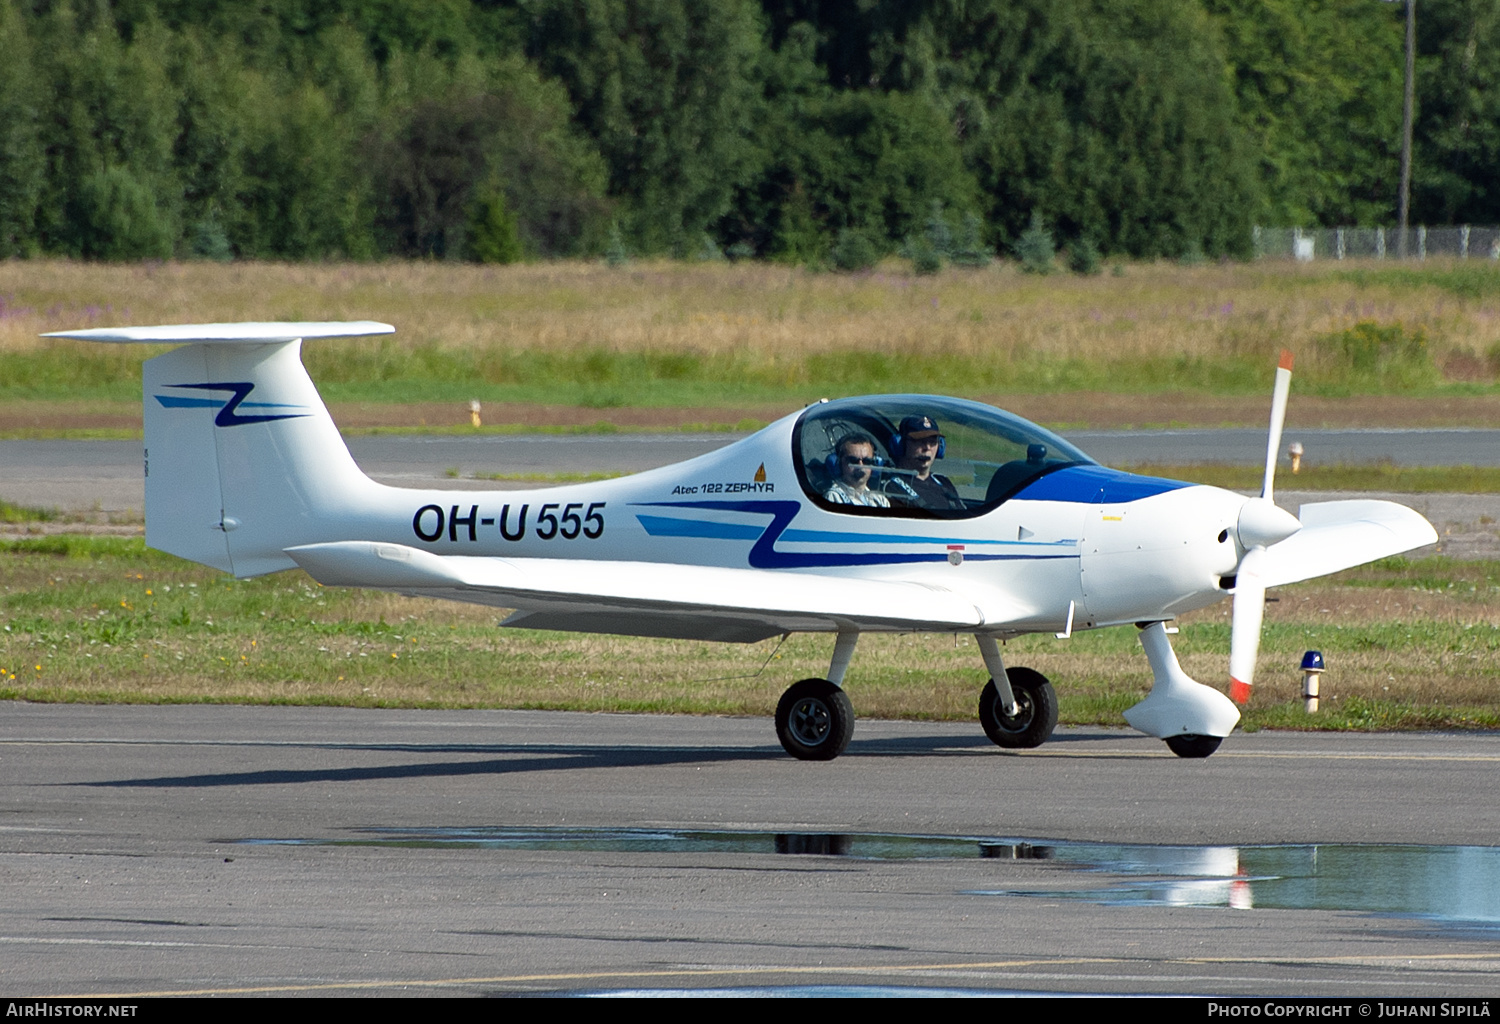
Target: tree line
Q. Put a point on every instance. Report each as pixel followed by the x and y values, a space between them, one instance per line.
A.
pixel 804 130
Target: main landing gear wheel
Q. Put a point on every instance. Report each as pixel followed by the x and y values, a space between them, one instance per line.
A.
pixel 814 720
pixel 1036 710
pixel 1188 745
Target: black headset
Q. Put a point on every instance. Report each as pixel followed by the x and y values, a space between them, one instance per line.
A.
pixel 898 446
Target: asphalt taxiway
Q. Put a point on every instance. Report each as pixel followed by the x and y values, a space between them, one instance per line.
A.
pixel 200 849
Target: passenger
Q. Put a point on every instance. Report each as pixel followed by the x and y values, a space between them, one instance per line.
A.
pixel 856 463
pixel 921 443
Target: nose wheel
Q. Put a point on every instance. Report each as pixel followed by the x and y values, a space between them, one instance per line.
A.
pixel 814 720
pixel 1193 746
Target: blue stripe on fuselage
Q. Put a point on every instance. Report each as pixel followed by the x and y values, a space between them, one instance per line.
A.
pixel 763 553
pixel 671 526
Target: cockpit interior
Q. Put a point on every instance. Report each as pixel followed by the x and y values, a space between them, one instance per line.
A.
pixel 982 456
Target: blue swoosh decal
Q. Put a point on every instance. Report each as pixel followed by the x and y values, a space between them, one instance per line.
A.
pixel 228 417
pixel 836 537
pixel 763 553
pixel 179 402
pixel 671 526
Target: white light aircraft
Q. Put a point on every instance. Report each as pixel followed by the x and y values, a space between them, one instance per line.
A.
pixel 893 513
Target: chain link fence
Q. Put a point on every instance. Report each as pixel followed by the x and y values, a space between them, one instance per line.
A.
pixel 1305 244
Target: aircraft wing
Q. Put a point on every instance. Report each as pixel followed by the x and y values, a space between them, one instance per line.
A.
pixel 233 334
pixel 690 602
pixel 1339 535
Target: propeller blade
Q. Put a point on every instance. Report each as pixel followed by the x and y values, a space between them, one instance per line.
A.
pixel 1261 523
pixel 1278 418
pixel 1244 637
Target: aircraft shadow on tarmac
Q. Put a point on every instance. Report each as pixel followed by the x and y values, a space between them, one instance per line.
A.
pixel 553 758
pixel 562 759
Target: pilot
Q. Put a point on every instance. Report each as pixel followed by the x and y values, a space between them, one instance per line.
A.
pixel 855 455
pixel 920 445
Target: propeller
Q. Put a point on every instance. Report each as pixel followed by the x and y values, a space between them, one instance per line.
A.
pixel 1279 393
pixel 1244 635
pixel 1260 525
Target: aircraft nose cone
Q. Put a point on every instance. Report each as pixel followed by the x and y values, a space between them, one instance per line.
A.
pixel 1262 524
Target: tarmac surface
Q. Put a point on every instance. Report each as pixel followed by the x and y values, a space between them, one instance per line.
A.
pixel 243 850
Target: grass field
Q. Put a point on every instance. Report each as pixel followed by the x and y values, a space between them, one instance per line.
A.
pixel 1408 644
pixel 747 341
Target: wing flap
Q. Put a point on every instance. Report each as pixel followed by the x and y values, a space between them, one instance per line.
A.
pixel 1338 535
pixel 654 599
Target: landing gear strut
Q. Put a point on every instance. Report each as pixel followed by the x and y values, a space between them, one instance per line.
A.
pixel 1191 718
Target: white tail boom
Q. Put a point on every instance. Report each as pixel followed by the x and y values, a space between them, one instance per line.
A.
pixel 275 475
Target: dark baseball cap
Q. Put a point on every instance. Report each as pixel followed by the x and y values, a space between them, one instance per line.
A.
pixel 919 426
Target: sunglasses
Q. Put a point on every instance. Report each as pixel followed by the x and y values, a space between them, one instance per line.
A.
pixel 858 460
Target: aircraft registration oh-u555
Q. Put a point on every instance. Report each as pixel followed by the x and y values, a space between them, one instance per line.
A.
pixel 893 513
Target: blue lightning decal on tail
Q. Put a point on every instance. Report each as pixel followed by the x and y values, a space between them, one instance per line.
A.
pixel 227 416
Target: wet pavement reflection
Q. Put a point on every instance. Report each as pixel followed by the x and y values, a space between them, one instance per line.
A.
pixel 1442 883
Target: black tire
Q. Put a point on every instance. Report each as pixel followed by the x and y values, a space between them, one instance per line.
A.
pixel 814 720
pixel 1188 745
pixel 1036 715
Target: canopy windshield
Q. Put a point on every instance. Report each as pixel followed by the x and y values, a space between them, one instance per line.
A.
pixel 913 455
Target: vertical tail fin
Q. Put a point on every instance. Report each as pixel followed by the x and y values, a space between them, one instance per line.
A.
pixel 242 458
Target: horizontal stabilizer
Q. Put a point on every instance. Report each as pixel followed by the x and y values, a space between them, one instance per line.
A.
pixel 1338 535
pixel 228 334
pixel 702 602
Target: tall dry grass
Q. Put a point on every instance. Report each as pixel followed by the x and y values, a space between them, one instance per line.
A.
pixel 1157 327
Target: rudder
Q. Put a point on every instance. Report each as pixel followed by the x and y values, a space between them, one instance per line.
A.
pixel 184 501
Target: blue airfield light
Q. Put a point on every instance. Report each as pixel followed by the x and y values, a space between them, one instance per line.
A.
pixel 1312 667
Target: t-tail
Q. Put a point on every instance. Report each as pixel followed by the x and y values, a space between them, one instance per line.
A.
pixel 242 459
